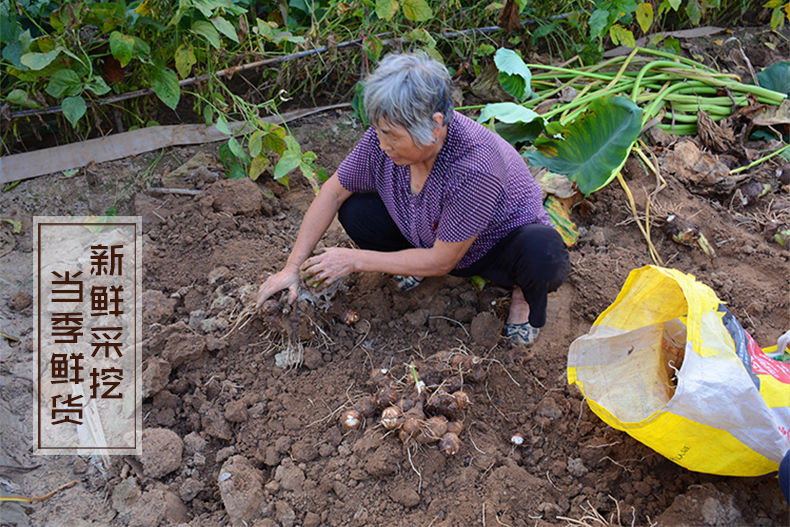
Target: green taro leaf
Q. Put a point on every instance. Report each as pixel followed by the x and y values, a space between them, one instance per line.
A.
pixel 514 75
pixel 39 61
pixel 776 78
pixel 207 31
pixel 516 124
pixel 416 10
pixel 594 147
pixel 21 98
pixel 64 83
pixel 225 27
pixel 185 58
pixel 386 9
pixel 73 108
pixel 165 84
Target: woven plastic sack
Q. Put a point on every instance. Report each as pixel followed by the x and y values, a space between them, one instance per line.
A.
pixel 670 365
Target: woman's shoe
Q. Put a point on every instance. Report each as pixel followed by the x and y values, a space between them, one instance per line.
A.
pixel 522 333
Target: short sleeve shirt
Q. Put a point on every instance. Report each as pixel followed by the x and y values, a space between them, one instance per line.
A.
pixel 479 185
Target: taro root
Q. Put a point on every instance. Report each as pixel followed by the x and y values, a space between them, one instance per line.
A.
pixel 460 362
pixel 453 384
pixel 476 371
pixel 415 413
pixel 410 401
pixel 351 419
pixel 387 396
pixel 455 427
pixel 391 418
pixel 443 403
pixel 270 307
pixel 366 406
pixel 435 428
pixel 428 373
pixel 411 430
pixel 450 444
pixel 442 356
pixel 379 377
pixel 350 317
pixel 461 399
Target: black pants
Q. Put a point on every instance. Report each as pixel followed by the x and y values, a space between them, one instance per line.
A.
pixel 534 257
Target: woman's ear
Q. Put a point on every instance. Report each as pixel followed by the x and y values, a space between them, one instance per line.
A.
pixel 438 118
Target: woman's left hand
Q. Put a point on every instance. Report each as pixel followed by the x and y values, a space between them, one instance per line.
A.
pixel 328 266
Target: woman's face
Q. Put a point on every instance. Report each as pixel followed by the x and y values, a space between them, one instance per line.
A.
pixel 398 144
pixel 400 147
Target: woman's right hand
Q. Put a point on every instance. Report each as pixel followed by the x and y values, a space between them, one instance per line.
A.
pixel 288 278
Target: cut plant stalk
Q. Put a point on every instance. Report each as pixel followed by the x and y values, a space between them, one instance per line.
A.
pixel 761 160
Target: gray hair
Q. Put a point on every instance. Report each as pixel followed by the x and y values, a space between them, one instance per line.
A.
pixel 407 89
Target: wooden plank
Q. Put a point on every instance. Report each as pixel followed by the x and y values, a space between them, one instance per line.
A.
pixel 117 146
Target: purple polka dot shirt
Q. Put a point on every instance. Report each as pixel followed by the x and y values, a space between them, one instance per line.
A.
pixel 479 186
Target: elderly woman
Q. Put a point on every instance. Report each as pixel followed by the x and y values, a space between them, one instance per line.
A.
pixel 427 192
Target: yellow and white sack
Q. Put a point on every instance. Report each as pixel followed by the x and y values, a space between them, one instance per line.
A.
pixel 671 366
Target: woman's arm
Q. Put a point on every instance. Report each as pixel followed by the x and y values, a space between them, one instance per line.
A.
pixel 314 224
pixel 336 262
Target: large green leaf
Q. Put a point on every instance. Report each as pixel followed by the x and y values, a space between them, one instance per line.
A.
pixel 598 22
pixel 416 10
pixel 73 108
pixel 385 9
pixel 97 85
pixel 516 124
pixel 514 75
pixel 594 147
pixel 64 82
pixel 21 98
pixel 207 31
pixel 121 47
pixel 291 159
pixel 185 58
pixel 165 84
pixel 39 61
pixel 776 78
pixel 13 54
pixel 694 11
pixel 225 27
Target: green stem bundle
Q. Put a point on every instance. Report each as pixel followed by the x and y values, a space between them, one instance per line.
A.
pixel 658 81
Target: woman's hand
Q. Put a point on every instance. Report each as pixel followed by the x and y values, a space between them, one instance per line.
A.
pixel 328 266
pixel 288 279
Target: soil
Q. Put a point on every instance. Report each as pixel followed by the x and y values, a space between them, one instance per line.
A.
pixel 234 439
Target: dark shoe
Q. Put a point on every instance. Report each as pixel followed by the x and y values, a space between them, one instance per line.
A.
pixel 407 283
pixel 521 333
